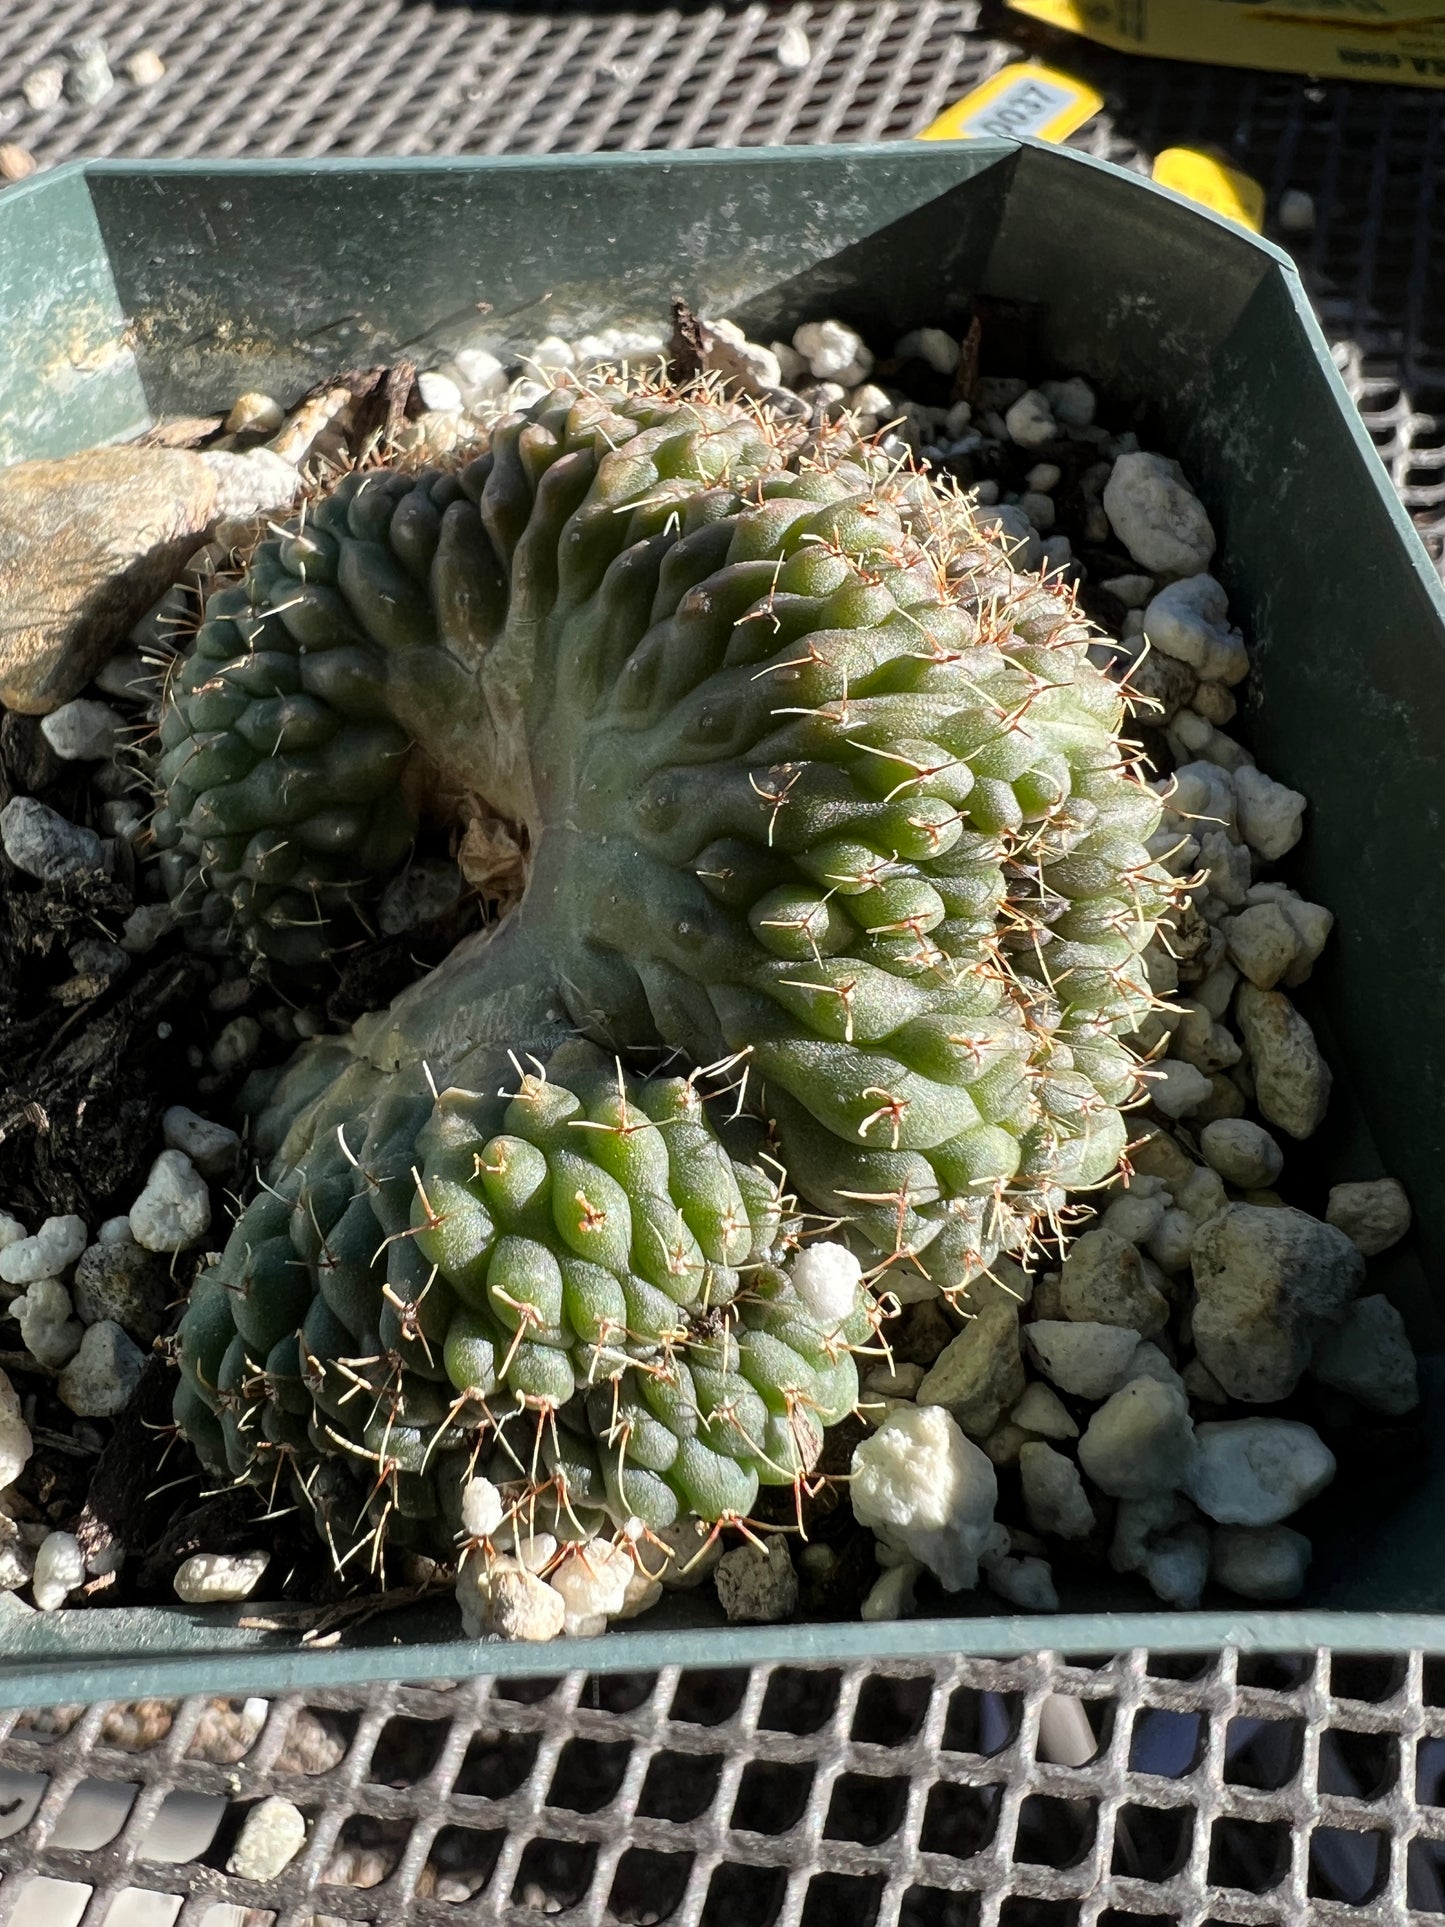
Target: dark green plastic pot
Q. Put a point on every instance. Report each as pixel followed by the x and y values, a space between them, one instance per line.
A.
pixel 132 290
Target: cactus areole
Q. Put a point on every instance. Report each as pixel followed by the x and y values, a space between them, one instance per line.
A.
pixel 811 785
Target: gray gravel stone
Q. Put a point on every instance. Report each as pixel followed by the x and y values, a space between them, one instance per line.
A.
pixel 757 1587
pixel 422 891
pixel 39 841
pixel 1373 1215
pixel 1259 1562
pixel 1140 1442
pixel 1243 1153
pixel 980 1374
pixel 1370 1357
pixel 271 1836
pixel 1257 1471
pixel 1271 1282
pixel 121 1282
pixel 98 1381
pixel 1088 1360
pixel 1054 1497
pixel 1291 1079
pixel 1103 1283
pixel 214 1149
pixel 83 731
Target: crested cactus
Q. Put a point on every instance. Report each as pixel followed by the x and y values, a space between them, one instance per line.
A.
pixel 810 782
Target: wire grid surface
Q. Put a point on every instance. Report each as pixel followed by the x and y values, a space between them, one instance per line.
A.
pixel 824 1797
pixel 908 1793
pixel 300 77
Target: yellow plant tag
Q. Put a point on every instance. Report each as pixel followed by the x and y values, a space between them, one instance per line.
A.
pixel 1396 45
pixel 1025 99
pixel 1223 190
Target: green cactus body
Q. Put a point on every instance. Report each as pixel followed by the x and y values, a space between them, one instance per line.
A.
pixel 809 780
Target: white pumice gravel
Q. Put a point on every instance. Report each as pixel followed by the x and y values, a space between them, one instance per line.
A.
pixel 83 730
pixel 59 1569
pixel 891 1596
pixel 48 1328
pixel 927 1492
pixel 1259 1562
pixel 212 1578
pixel 1140 1441
pixel 833 352
pixel 828 1278
pixel 49 1253
pixel 1242 1152
pixel 16 1444
pixel 1373 1215
pixel 500 1599
pixel 1085 1359
pixel 173 1210
pixel 593 1580
pixel 1257 1471
pixel 483 1508
pixel 1055 1501
pixel 214 1149
pixel 271 1836
pixel 1369 1356
pixel 1157 516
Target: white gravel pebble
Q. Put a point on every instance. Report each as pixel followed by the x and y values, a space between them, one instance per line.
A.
pixel 1257 1471
pixel 927 1492
pixel 500 1599
pixel 1296 211
pixel 1157 516
pixel 59 1569
pixel 12 1232
pixel 1243 1153
pixel 212 1148
pixel 593 1581
pixel 98 1381
pixel 115 1231
pixel 1189 620
pixel 1027 1583
pixel 482 1508
pixel 271 1836
pixel 1178 1088
pixel 39 841
pixel 1291 1079
pixel 757 1587
pixel 1043 1412
pixel 16 1444
pixel 42 86
pixel 173 1210
pixel 1140 1442
pixel 1030 421
pixel 1132 590
pixel 439 391
pixel 1373 1215
pixel 794 50
pixel 891 1594
pixel 1087 1360
pixel 1271 1281
pixel 828 1278
pixel 1055 1501
pixel 1172 1240
pixel 50 1331
pixel 1103 1283
pixel 932 345
pixel 83 731
pixel 52 1250
pixel 1259 1562
pixel 833 351
pixel 208 1578
pixel 1263 942
pixel 1270 815
pixel 1072 402
pixel 236 1044
pixel 144 928
pixel 1370 1357
pixel 480 376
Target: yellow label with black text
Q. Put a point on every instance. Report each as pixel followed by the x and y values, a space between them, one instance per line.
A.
pixel 1407 51
pixel 1026 99
pixel 1223 190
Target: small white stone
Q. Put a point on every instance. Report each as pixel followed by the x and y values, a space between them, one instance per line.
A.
pixel 891 1594
pixel 757 1587
pixel 927 1492
pixel 16 1444
pixel 1257 1471
pixel 1370 1357
pixel 99 1380
pixel 550 357
pixel 1263 942
pixel 482 1508
pixel 1189 620
pixel 1243 1153
pixel 500 1599
pixel 115 1231
pixel 1072 402
pixel 1172 1240
pixel 1054 1498
pixel 1291 1079
pixel 592 1580
pixel 794 50
pixel 1132 590
pixel 1296 211
pixel 271 1836
pixel 1140 1442
pixel 1043 476
pixel 932 345
pixel 439 392
pixel 1178 1088
pixel 1157 516
pixel 1373 1215
pixel 52 1250
pixel 207 1578
pixel 1039 509
pixel 1030 421
pixel 1259 1562
pixel 792 366
pixel 828 1279
pixel 42 86
pixel 1270 815
pixel 50 1332
pixel 831 349
pixel 897 1381
pixel 83 731
pixel 1201 1195
pixel 870 403
pixel 1027 1583
pixel 12 1232
pixel 480 376
pixel 1043 1412
pixel 1086 1360
pixel 529 1548
pixel 59 1569
pixel 212 1148
pixel 173 1211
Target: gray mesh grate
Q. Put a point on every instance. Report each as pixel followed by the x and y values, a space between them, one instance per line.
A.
pixel 1223 1789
